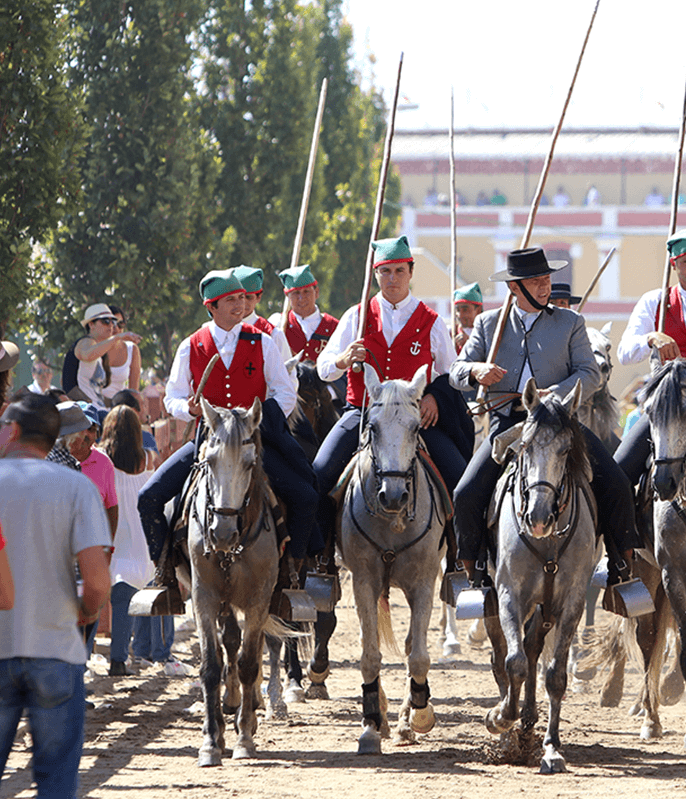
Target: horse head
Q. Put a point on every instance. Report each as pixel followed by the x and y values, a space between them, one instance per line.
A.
pixel 600 346
pixel 664 400
pixel 229 461
pixel 552 447
pixel 393 424
pixel 315 400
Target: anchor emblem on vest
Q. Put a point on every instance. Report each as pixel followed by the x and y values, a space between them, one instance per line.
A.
pixel 415 348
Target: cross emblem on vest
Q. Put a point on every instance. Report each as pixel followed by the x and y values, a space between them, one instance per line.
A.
pixel 250 368
pixel 415 348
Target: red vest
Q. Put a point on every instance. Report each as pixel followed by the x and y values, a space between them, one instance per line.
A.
pixel 674 319
pixel 410 350
pixel 298 341
pixel 243 381
pixel 262 324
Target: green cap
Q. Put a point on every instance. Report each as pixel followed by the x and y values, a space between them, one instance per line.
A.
pixel 250 276
pixel 297 277
pixel 676 244
pixel 218 283
pixel 391 251
pixel 470 293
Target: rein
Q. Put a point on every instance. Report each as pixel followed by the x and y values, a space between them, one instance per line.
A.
pixel 245 536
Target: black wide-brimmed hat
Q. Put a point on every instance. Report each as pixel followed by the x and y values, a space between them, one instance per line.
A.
pixel 563 291
pixel 523 264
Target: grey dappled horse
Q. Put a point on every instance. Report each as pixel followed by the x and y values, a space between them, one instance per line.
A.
pixel 545 538
pixel 662 523
pixel 391 526
pixel 234 564
pixel 600 413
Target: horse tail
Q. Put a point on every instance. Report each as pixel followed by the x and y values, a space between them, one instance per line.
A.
pixel 277 628
pixel 386 637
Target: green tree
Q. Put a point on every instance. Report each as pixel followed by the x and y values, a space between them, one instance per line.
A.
pixel 41 134
pixel 143 236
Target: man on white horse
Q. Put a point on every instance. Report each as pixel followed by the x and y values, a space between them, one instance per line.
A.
pixel 401 334
pixel 551 345
pixel 250 366
pixel 641 336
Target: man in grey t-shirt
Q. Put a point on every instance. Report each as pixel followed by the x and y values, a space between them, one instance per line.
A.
pixel 51 517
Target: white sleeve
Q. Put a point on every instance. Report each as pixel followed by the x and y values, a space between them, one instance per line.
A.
pixel 442 348
pixel 279 382
pixel 344 335
pixel 279 338
pixel 633 346
pixel 179 387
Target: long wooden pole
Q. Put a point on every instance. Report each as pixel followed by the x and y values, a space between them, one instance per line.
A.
pixel 673 218
pixel 453 220
pixel 309 177
pixel 378 212
pixel 600 271
pixel 505 309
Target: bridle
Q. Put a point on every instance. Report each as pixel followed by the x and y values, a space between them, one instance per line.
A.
pixel 562 493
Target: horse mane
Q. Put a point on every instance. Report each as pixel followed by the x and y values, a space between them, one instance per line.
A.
pixel 665 384
pixel 552 414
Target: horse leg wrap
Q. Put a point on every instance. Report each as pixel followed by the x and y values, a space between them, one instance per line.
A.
pixel 419 694
pixel 371 708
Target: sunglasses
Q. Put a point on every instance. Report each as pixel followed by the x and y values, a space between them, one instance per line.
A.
pixel 42 371
pixel 107 321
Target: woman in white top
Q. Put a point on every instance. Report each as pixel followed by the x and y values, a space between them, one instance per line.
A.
pixel 91 367
pixel 124 360
pixel 131 567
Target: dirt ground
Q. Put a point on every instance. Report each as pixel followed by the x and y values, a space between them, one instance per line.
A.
pixel 143 736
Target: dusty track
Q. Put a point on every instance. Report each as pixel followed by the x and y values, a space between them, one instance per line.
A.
pixel 142 740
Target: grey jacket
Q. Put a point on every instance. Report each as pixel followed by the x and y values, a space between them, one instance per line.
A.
pixel 558 347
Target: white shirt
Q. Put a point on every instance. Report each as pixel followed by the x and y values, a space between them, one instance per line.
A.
pixel 277 335
pixel 528 318
pixel 309 324
pixel 634 347
pixel 279 384
pixel 393 319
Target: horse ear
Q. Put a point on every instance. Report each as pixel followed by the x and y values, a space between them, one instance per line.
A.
pixel 572 401
pixel 530 398
pixel 606 329
pixel 418 382
pixel 211 416
pixel 291 363
pixel 371 380
pixel 655 360
pixel 255 413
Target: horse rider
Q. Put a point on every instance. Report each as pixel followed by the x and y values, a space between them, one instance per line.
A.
pixel 550 344
pixel 402 334
pixel 561 295
pixel 250 366
pixel 469 303
pixel 640 336
pixel 252 278
pixel 308 328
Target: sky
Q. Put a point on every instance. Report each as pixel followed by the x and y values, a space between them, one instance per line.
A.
pixel 510 62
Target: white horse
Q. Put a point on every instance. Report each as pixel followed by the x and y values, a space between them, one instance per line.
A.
pixel 545 538
pixel 391 526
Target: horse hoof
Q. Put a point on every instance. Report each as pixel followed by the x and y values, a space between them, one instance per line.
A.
pixel 580 686
pixel 369 743
pixel 276 712
pixel 243 752
pixel 477 635
pixel 650 731
pixel 552 761
pixel 317 691
pixel 672 688
pixel 450 650
pixel 611 697
pixel 211 757
pixel 422 719
pixel 293 693
pixel 318 677
pixel 637 709
pixel 495 723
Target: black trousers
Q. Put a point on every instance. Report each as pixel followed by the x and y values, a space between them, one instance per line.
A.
pixel 613 493
pixel 634 451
